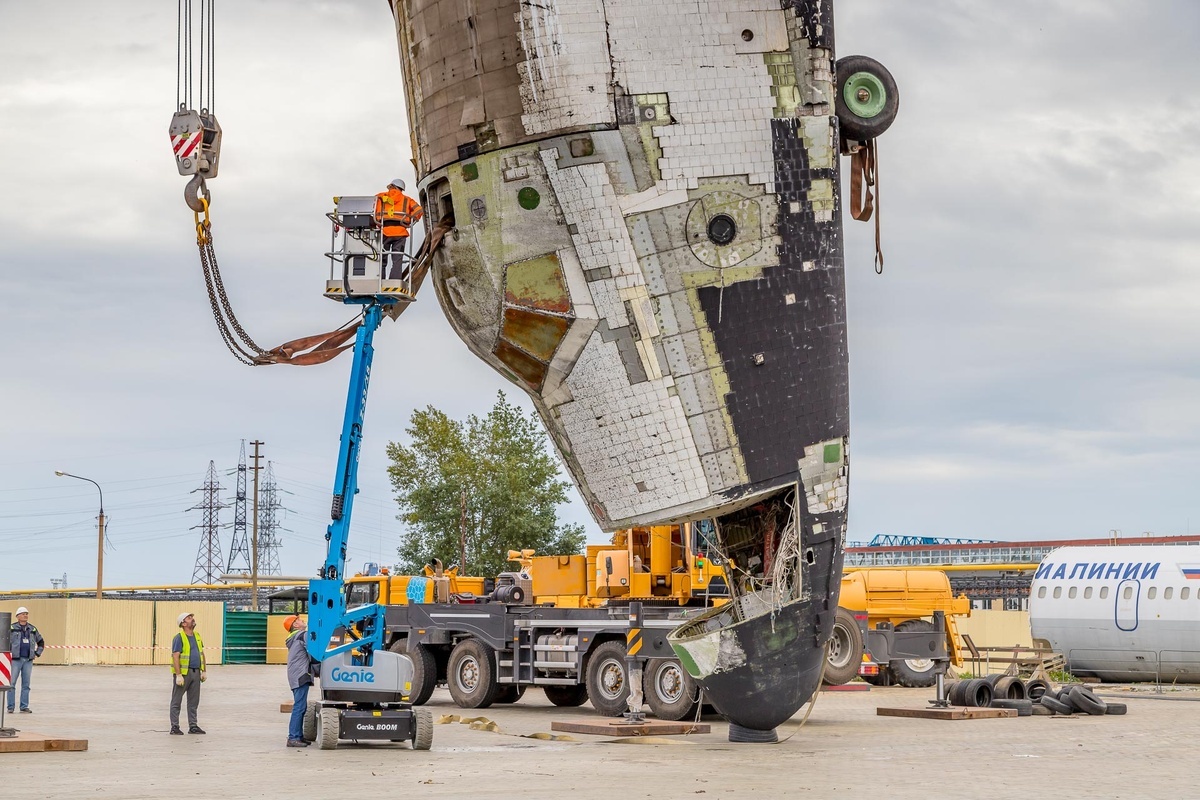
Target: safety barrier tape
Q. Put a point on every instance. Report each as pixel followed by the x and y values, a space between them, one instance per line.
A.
pixel 166 648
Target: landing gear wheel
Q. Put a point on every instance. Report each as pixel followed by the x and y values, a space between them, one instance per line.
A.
pixel 327 728
pixel 471 674
pixel 309 725
pixel 915 672
pixel 424 671
pixel 510 693
pixel 567 696
pixel 607 684
pixel 669 690
pixel 843 654
pixel 866 98
pixel 422 729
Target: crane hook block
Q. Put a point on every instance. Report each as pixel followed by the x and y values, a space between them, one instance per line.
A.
pixel 196 140
pixel 196 195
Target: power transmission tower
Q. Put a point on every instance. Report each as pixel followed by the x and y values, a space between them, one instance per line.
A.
pixel 208 558
pixel 254 532
pixel 268 526
pixel 239 549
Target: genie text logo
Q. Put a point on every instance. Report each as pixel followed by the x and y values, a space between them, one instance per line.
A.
pixel 340 675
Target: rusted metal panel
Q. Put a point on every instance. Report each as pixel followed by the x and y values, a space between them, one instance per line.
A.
pixel 537 283
pixel 536 334
pixel 531 371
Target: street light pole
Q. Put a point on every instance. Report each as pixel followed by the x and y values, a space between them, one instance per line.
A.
pixel 100 546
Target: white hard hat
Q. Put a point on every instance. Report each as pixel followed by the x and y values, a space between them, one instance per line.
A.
pixel 398 183
pixel 182 617
pixel 22 610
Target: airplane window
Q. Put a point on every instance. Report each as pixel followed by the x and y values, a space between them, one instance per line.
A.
pixel 1167 593
pixel 1184 592
pixel 1103 592
pixel 1152 593
pixel 1128 592
pixel 1057 592
pixel 1087 593
pixel 1073 591
pixel 1042 592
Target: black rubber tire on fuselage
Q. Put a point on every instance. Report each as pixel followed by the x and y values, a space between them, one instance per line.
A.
pixel 471 674
pixel 424 671
pixel 843 654
pixel 607 681
pixel 853 124
pixel 917 673
pixel 668 690
pixel 566 696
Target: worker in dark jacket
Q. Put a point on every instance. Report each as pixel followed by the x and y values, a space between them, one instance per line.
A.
pixel 301 669
pixel 396 213
pixel 26 644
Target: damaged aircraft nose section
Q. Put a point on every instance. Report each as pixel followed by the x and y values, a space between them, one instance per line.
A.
pixel 648 241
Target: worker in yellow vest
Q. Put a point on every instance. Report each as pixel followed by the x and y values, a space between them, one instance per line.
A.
pixel 396 213
pixel 187 667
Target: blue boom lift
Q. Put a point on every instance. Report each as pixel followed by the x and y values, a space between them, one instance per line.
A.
pixel 364 687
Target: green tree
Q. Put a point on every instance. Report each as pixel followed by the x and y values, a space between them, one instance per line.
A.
pixel 499 469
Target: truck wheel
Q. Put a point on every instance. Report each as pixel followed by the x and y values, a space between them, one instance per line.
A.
pixel 914 672
pixel 327 729
pixel 471 674
pixel 607 683
pixel 843 654
pixel 424 671
pixel 884 678
pixel 422 729
pixel 669 690
pixel 510 693
pixel 866 98
pixel 567 696
pixel 309 725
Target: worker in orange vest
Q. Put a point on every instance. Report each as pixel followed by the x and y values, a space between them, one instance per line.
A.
pixel 396 213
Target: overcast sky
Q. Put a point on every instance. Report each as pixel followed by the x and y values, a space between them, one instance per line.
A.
pixel 1026 367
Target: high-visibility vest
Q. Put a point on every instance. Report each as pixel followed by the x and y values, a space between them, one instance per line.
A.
pixel 185 657
pixel 396 212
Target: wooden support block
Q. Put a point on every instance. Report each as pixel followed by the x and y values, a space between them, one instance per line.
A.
pixel 285 708
pixel 848 687
pixel 25 742
pixel 954 712
pixel 619 727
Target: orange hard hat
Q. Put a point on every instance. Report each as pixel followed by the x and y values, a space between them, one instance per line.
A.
pixel 289 621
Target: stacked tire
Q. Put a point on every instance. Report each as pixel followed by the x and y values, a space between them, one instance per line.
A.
pixel 1028 698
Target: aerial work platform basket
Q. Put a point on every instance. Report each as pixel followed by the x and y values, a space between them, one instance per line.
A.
pixel 359 266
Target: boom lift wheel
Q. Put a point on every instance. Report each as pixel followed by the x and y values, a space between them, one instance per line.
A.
pixel 327 728
pixel 607 683
pixel 309 726
pixel 423 729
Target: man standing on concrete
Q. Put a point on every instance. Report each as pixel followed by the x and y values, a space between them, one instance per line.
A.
pixel 187 667
pixel 301 669
pixel 26 645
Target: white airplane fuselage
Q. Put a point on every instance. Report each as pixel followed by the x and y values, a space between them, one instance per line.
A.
pixel 1121 613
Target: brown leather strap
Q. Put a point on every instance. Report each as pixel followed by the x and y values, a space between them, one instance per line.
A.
pixel 864 174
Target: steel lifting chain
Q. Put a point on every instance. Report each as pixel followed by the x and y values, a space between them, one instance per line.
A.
pixel 244 348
